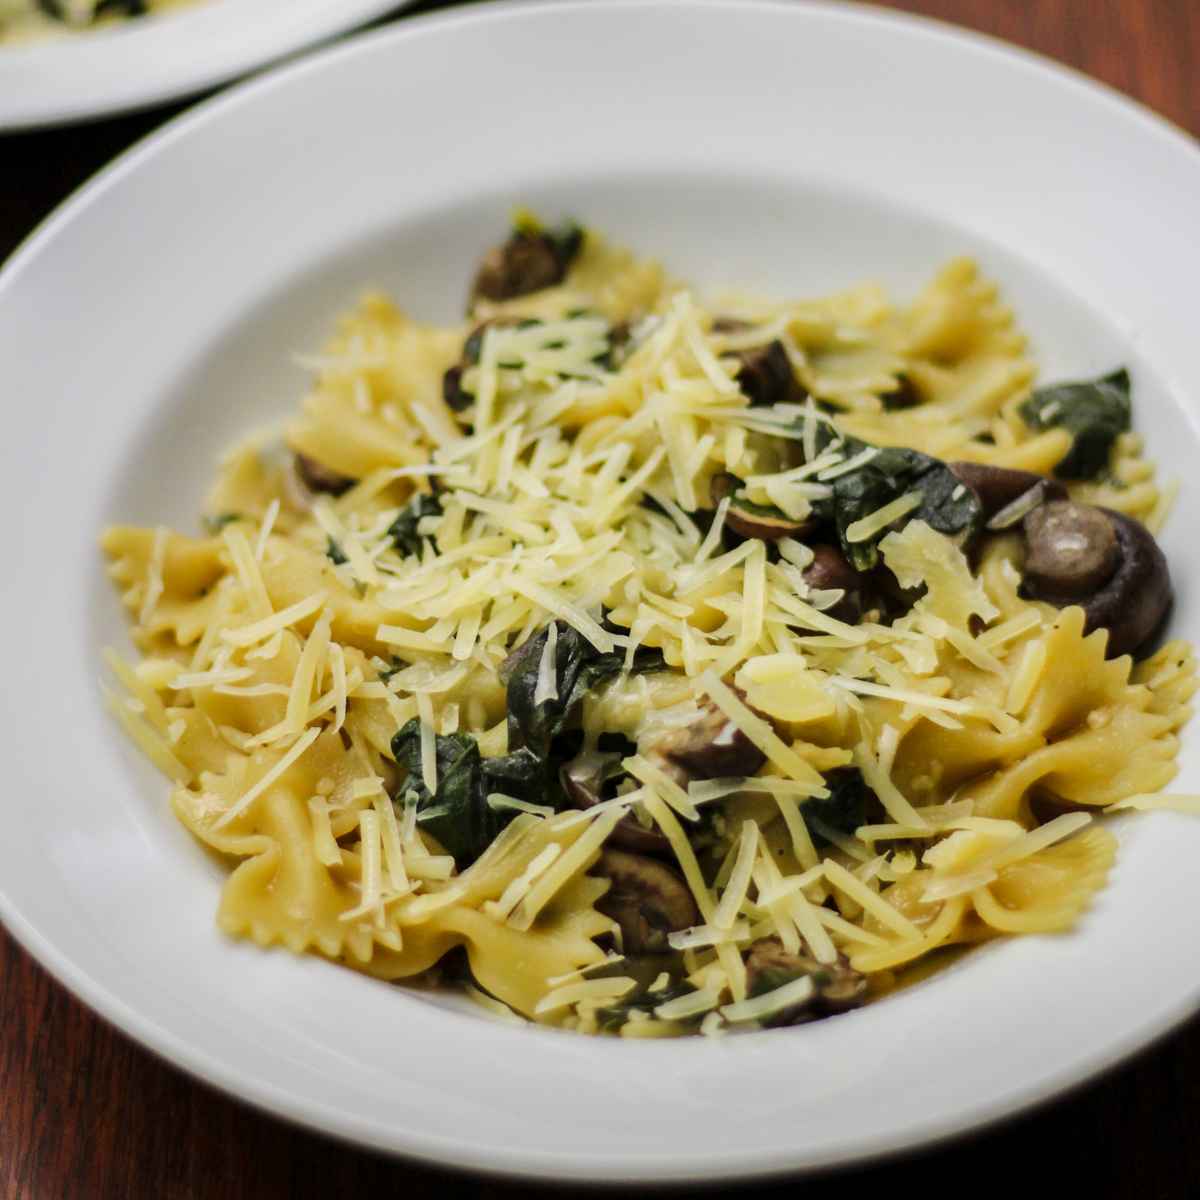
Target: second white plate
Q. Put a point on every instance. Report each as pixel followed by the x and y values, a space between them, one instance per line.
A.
pixel 150 60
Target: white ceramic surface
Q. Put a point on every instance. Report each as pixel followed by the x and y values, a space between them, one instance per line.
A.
pixel 786 146
pixel 165 56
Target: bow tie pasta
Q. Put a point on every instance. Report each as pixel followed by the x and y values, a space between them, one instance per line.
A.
pixel 648 663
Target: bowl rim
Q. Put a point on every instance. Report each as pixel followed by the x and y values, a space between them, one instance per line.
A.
pixel 163 1040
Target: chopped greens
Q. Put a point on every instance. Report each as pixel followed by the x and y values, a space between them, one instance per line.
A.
pixel 386 673
pixel 403 531
pixel 579 667
pixel 892 472
pixel 458 813
pixel 772 978
pixel 335 552
pixel 843 811
pixel 612 1016
pixel 1094 412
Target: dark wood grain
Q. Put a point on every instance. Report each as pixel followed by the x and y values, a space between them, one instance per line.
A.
pixel 86 1113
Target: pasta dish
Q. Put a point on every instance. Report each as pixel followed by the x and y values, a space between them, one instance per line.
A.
pixel 648 663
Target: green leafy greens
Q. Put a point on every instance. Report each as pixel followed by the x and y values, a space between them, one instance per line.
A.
pixel 217 523
pixel 578 667
pixel 947 504
pixel 843 811
pixel 612 1016
pixel 1094 412
pixel 458 813
pixel 403 531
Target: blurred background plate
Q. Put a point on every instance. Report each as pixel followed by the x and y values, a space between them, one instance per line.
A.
pixel 148 60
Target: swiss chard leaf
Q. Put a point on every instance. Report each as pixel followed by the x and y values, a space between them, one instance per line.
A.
pixel 579 667
pixel 843 811
pixel 947 504
pixel 403 531
pixel 458 813
pixel 612 1016
pixel 334 552
pixel 1094 412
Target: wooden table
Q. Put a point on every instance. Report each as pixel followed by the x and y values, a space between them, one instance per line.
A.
pixel 84 1112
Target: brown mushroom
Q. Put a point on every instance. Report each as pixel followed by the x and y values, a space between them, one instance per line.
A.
pixel 766 375
pixel 1104 561
pixel 831 570
pixel 648 900
pixel 456 397
pixel 317 477
pixel 837 986
pixel 730 325
pixel 586 779
pixel 754 520
pixel 905 394
pixel 1071 550
pixel 528 262
pixel 709 747
pixel 999 487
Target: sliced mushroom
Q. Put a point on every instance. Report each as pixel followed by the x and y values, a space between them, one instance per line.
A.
pixel 894 600
pixel 730 325
pixel 709 747
pixel 587 779
pixel 754 520
pixel 317 477
pixel 1104 561
pixel 831 570
pixel 999 487
pixel 766 375
pixel 527 262
pixel 456 398
pixel 905 394
pixel 837 986
pixel 648 900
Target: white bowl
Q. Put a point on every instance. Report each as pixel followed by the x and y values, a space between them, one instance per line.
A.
pixel 132 64
pixel 791 147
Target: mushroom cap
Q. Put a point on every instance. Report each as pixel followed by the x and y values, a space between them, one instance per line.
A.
pixel 1132 602
pixel 754 520
pixel 317 477
pixel 766 375
pixel 648 900
pixel 522 265
pixel 583 779
pixel 831 570
pixel 998 487
pixel 710 746
pixel 838 986
pixel 1071 550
